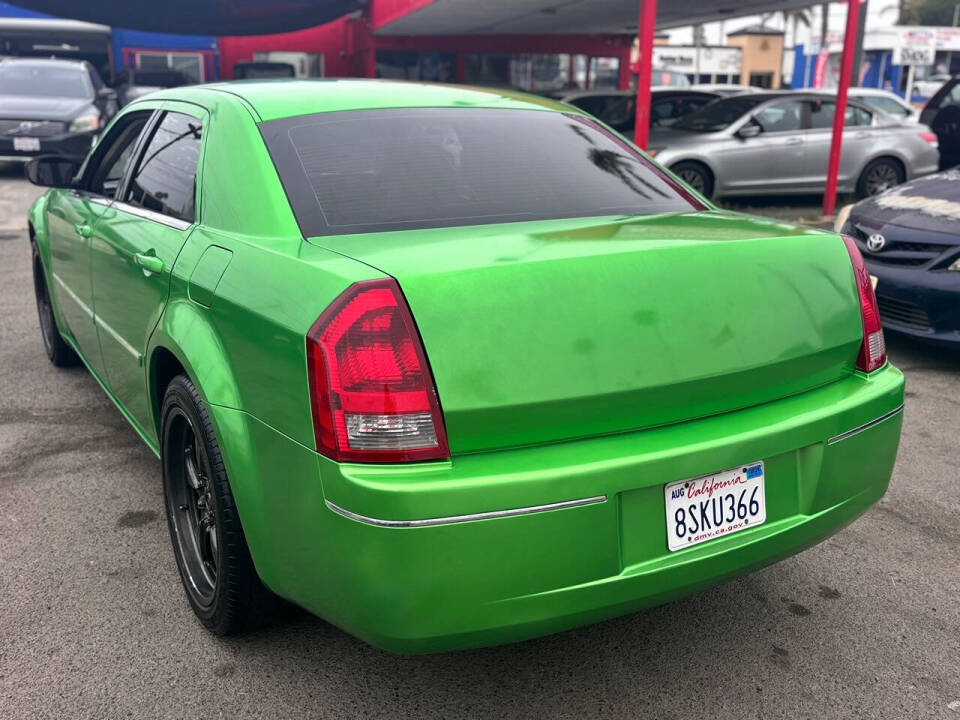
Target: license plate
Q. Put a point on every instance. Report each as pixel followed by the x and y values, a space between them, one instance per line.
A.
pixel 713 506
pixel 26 144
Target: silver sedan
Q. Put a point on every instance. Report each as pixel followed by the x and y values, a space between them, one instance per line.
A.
pixel 779 143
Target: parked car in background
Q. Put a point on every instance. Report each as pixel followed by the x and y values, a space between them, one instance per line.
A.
pixel 928 87
pixel 910 240
pixel 51 107
pixel 942 114
pixel 451 368
pixel 725 89
pixel 779 142
pixel 134 83
pixel 618 108
pixel 263 70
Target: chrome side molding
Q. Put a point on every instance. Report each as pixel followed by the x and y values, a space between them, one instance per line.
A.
pixel 450 519
pixel 865 426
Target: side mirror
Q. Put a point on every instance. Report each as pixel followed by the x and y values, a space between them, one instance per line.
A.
pixel 106 93
pixel 51 171
pixel 748 131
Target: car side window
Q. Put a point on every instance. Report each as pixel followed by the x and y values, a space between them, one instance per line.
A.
pixel 891 107
pixel 780 116
pixel 109 161
pixel 822 112
pixel 164 180
pixel 857 116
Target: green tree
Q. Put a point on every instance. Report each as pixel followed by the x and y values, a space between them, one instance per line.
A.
pixel 928 12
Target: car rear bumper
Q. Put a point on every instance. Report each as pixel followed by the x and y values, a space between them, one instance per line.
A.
pixel 567 534
pixel 919 303
pixel 71 145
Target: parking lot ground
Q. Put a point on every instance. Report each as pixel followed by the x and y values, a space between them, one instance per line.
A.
pixel 93 622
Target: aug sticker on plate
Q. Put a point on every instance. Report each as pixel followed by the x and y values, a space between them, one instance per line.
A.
pixel 713 506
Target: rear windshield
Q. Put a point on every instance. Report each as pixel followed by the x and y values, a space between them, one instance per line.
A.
pixel 378 170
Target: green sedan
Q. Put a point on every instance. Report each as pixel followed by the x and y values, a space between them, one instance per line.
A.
pixel 451 367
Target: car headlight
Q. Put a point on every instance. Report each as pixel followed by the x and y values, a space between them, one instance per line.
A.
pixel 85 123
pixel 954 266
pixel 842 218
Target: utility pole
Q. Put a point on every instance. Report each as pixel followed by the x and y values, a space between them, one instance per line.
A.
pixel 858 48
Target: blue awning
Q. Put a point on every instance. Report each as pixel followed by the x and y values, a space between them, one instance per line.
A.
pixel 200 17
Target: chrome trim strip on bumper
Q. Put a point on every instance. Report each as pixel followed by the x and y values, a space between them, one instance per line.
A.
pixel 466 518
pixel 865 426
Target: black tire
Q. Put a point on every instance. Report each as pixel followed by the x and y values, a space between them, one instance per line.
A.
pixel 696 175
pixel 220 581
pixel 879 176
pixel 60 354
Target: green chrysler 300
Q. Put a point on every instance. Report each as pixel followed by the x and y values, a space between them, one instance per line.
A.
pixel 451 367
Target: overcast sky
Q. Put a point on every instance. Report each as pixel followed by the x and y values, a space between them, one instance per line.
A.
pixel 880 13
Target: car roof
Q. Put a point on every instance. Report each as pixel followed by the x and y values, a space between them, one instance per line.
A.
pixel 42 61
pixel 273 99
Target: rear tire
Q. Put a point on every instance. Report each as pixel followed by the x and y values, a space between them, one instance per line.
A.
pixel 696 175
pixel 879 176
pixel 213 559
pixel 59 353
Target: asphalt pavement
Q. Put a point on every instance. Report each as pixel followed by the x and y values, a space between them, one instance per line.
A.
pixel 93 622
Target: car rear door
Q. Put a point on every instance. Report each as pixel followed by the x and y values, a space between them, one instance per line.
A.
pixel 857 138
pixel 73 220
pixel 141 235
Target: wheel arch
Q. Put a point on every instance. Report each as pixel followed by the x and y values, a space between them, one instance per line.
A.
pixel 186 342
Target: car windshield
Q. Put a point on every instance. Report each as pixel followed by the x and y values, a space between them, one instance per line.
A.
pixel 719 114
pixel 44 81
pixel 378 170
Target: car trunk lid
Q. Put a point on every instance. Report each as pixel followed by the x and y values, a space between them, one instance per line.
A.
pixel 548 331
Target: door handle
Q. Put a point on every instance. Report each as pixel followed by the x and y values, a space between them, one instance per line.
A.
pixel 794 141
pixel 83 230
pixel 149 263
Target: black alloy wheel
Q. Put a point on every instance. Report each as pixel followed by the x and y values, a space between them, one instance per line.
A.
pixel 213 559
pixel 59 353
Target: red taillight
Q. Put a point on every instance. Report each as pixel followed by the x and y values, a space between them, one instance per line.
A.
pixel 873 351
pixel 370 386
pixel 930 138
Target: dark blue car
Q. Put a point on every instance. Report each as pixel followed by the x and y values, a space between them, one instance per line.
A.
pixel 910 239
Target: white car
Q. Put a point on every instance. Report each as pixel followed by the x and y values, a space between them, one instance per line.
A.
pixel 928 87
pixel 725 88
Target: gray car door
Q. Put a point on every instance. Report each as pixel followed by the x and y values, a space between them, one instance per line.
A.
pixel 768 161
pixel 858 135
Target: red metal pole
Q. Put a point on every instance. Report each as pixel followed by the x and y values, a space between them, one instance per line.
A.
pixel 836 143
pixel 645 28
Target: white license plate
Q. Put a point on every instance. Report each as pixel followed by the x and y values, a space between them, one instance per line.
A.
pixel 713 506
pixel 26 144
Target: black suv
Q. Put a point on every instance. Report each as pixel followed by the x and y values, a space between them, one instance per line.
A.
pixel 51 107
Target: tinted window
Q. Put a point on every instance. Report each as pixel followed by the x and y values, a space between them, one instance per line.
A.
pixel 44 80
pixel 375 170
pixel 718 115
pixel 780 117
pixel 113 154
pixel 166 174
pixel 822 112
